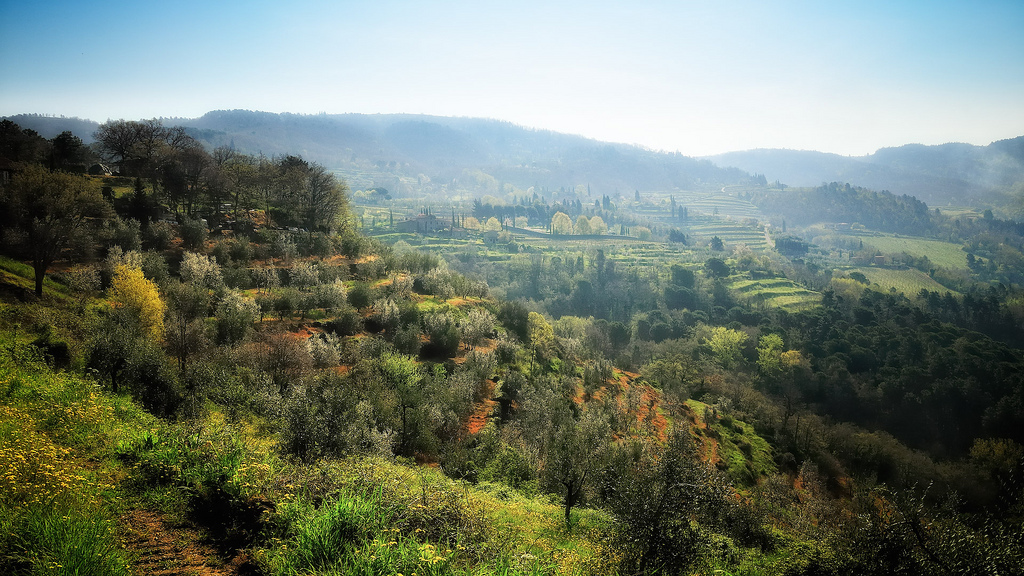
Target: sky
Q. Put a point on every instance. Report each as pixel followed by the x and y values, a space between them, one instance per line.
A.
pixel 697 77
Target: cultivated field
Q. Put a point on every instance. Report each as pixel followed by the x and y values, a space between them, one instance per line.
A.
pixel 909 282
pixel 944 254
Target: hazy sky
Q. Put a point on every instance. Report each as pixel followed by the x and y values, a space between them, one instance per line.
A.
pixel 698 77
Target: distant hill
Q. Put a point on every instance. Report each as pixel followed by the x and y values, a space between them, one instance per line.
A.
pixel 403 152
pixel 50 126
pixel 946 174
pixel 444 148
pixel 391 149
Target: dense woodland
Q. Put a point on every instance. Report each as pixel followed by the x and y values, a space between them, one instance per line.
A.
pixel 207 335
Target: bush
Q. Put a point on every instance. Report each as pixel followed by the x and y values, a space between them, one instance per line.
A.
pixel 158 236
pixel 193 234
pixel 443 332
pixel 360 295
pixel 347 323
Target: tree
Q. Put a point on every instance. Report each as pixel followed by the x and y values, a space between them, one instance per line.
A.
pixel 597 225
pixel 131 290
pixel 323 200
pixel 135 144
pixel 716 244
pixel 573 453
pixel 716 268
pixel 726 344
pixel 41 212
pixel 185 329
pixel 401 375
pixel 241 173
pixel 515 316
pixel 201 270
pixel 769 355
pixel 478 325
pixel 541 335
pixel 66 150
pixel 682 276
pixel 582 225
pixel 20 145
pixel 657 498
pixel 561 224
pixel 492 224
pixel 235 316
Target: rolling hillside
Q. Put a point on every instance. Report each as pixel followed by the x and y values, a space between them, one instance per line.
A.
pixel 939 175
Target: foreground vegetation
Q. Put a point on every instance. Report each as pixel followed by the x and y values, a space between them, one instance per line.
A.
pixel 311 400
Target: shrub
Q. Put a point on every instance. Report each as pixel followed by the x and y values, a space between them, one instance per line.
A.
pixel 201 270
pixel 193 234
pixel 443 332
pixel 360 295
pixel 347 323
pixel 158 236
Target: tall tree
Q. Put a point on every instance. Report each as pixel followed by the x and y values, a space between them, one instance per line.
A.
pixel 322 200
pixel 43 211
pixel 66 150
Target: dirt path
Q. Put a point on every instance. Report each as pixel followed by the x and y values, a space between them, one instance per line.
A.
pixel 163 549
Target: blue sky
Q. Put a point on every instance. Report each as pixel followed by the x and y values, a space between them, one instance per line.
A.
pixel 694 76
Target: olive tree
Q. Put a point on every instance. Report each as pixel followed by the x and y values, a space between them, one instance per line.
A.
pixel 42 212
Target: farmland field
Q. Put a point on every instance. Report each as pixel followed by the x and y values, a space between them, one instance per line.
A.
pixel 909 282
pixel 944 254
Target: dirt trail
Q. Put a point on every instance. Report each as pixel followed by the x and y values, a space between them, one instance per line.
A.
pixel 167 550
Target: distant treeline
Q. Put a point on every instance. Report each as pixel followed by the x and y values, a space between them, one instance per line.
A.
pixel 836 202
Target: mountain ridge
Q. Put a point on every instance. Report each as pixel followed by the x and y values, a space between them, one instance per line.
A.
pixel 385 149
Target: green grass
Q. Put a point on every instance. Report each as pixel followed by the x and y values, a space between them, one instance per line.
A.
pixel 382 517
pixel 58 514
pixel 909 282
pixel 23 276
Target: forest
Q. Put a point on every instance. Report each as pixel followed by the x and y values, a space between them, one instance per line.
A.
pixel 246 357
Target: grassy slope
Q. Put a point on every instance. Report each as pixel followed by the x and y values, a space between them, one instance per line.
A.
pixel 58 476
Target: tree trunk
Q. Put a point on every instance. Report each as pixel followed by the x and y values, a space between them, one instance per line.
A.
pixel 40 270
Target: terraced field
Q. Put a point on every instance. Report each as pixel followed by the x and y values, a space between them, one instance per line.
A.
pixel 775 293
pixel 700 203
pixel 909 282
pixel 731 231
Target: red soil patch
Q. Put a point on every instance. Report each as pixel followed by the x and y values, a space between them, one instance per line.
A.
pixel 649 413
pixel 488 345
pixel 478 419
pixel 462 301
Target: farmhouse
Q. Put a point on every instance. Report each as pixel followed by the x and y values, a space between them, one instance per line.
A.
pixel 422 223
